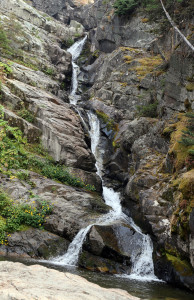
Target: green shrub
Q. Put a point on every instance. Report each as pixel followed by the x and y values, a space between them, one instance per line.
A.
pixel 4 41
pixel 123 7
pixel 13 215
pixel 48 71
pixel 6 68
pixel 149 110
pixel 27 115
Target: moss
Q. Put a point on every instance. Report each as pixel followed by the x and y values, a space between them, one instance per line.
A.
pixel 123 84
pixel 178 151
pixel 128 59
pixel 110 124
pixel 130 49
pixel 180 220
pixel 168 130
pixel 190 87
pixel 186 185
pixel 181 266
pixel 146 66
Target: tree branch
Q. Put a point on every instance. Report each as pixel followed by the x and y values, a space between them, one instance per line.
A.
pixel 175 27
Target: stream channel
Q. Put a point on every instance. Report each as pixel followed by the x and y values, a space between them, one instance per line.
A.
pixel 141 282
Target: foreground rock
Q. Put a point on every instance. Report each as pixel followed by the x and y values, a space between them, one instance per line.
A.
pixel 43 283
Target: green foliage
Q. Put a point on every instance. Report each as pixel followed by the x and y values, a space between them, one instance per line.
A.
pixel 5 68
pixel 149 110
pixel 27 115
pixel 69 42
pixel 13 215
pixel 4 42
pixel 123 7
pixel 57 172
pixel 48 71
pixel 179 9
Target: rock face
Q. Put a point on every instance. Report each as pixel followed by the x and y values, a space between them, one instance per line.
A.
pixel 50 284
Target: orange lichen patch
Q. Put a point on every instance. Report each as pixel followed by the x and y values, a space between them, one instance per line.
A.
pixel 130 49
pixel 82 2
pixel 128 59
pixel 144 20
pixel 146 65
pixel 124 84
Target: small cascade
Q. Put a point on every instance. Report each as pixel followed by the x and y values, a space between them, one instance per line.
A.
pixel 70 258
pixel 75 51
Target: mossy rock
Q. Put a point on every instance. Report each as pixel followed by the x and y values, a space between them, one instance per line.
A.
pixel 181 266
pixel 98 205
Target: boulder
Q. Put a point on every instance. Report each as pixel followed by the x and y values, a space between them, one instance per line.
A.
pixel 117 242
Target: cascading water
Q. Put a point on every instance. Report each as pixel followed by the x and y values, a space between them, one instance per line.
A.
pixel 142 266
pixel 75 51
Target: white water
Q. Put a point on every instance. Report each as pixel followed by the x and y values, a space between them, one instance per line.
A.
pixel 142 266
pixel 75 51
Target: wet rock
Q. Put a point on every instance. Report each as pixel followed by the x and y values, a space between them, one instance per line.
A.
pixel 116 242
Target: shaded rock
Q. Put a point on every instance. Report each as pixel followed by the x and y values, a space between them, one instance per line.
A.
pixel 176 271
pixel 34 243
pixel 103 265
pixel 62 133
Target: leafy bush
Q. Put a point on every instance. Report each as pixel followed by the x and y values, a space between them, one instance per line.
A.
pixel 12 215
pixel 5 68
pixel 149 110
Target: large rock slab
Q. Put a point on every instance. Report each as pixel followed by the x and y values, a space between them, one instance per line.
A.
pixel 22 282
pixel 62 133
pixel 73 208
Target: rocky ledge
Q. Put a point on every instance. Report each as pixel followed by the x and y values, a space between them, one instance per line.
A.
pixel 50 284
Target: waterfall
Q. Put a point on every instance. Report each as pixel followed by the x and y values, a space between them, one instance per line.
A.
pixel 142 266
pixel 75 51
